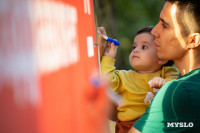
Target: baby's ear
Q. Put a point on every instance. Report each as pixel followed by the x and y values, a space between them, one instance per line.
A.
pixel 161 62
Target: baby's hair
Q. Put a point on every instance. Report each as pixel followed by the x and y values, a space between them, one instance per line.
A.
pixel 148 29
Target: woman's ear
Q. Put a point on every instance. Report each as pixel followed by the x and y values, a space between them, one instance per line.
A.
pixel 162 62
pixel 194 40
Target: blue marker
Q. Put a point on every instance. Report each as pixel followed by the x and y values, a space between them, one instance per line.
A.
pixel 111 40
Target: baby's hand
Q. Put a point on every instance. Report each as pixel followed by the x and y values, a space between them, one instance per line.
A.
pixel 102 42
pixel 111 51
pixel 157 82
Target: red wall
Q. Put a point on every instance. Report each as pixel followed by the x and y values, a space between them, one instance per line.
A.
pixel 49 69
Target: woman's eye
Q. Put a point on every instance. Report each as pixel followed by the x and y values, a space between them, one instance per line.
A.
pixel 144 47
pixel 164 26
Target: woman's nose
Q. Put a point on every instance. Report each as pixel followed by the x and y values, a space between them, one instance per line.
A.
pixel 155 32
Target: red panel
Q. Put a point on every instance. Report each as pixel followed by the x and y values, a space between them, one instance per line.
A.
pixel 48 68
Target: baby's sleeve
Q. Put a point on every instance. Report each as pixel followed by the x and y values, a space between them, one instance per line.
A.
pixel 170 73
pixel 108 70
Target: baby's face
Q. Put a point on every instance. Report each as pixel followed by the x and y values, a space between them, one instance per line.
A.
pixel 144 53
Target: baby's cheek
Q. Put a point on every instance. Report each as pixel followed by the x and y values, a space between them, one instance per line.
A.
pixel 153 57
pixel 130 56
pixel 131 53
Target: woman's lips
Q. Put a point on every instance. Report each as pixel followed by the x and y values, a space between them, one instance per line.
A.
pixel 156 44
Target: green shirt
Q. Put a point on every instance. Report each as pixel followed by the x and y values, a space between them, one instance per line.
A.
pixel 175 108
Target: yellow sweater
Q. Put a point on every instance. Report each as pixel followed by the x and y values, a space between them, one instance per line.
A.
pixel 132 87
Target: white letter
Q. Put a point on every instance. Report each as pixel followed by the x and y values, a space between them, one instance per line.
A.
pixel 170 124
pixel 185 124
pixel 176 124
pixel 181 124
pixel 191 124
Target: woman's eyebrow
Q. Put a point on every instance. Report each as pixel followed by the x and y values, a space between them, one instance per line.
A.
pixel 164 22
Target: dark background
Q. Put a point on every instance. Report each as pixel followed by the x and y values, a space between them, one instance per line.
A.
pixel 122 19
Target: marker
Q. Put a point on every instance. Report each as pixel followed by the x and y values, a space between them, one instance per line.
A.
pixel 111 40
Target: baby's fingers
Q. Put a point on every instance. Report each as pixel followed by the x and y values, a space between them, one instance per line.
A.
pixel 113 46
pixel 157 82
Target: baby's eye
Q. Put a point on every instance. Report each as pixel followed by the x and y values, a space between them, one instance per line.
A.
pixel 133 47
pixel 144 47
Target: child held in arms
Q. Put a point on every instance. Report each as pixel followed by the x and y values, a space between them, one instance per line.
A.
pixel 133 85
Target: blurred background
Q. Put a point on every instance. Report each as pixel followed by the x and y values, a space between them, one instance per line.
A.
pixel 122 19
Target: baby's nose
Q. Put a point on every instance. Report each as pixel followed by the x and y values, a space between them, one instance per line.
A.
pixel 136 50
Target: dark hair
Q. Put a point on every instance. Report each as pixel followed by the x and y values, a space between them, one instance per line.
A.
pixel 148 29
pixel 192 7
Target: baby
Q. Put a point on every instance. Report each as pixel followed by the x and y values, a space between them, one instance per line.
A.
pixel 133 85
